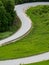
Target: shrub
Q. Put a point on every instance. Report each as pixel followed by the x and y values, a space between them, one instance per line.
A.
pixel 7 15
pixel 3 18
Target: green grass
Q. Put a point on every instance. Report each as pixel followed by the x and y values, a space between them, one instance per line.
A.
pixel 12 30
pixel 5 34
pixel 36 42
pixel 40 63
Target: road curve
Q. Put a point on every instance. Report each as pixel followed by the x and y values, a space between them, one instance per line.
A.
pixel 26 25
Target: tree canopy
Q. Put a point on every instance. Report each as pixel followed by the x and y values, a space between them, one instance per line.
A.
pixel 7 14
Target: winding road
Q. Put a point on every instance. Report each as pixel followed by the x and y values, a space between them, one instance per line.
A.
pixel 26 25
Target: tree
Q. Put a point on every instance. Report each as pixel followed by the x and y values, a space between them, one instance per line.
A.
pixel 3 18
pixel 7 15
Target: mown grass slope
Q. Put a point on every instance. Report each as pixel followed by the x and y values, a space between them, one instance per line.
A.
pixel 40 63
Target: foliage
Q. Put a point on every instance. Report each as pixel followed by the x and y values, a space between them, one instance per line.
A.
pixel 7 14
pixel 16 25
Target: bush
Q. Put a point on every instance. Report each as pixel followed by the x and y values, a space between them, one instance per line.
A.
pixel 7 14
pixel 3 18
